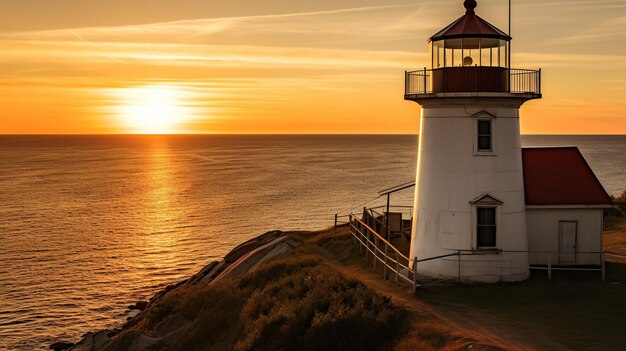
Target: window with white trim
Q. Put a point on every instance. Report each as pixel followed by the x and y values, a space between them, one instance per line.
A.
pixel 486 228
pixel 485 135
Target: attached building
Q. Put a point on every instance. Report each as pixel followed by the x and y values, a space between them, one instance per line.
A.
pixel 564 207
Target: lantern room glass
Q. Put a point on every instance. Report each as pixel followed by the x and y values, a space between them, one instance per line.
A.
pixel 469 52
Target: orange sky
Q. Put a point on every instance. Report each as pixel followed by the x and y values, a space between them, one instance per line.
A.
pixel 243 66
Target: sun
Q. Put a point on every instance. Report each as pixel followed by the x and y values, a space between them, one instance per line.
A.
pixel 153 109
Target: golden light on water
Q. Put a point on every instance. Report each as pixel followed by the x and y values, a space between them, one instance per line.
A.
pixel 153 109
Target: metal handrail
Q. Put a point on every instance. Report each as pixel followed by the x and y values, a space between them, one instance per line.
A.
pixel 379 250
pixel 373 247
pixel 352 216
pixel 391 206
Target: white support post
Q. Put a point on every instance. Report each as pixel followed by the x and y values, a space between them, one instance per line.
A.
pixel 415 273
pixel 459 256
pixel 385 264
pixel 397 269
pixel 375 250
pixel 353 231
pixel 549 266
pixel 361 240
pixel 367 245
pixel 603 267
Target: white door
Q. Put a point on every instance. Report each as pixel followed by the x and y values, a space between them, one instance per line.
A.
pixel 567 251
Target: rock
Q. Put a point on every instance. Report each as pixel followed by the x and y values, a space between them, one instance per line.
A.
pixel 93 341
pixel 217 269
pixel 101 339
pixel 167 289
pixel 282 249
pixel 203 272
pixel 86 344
pixel 250 245
pixel 139 305
pixel 60 346
pixel 251 258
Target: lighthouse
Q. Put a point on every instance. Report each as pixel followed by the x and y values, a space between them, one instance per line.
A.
pixel 469 217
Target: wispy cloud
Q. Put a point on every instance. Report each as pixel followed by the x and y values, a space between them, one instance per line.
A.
pixel 588 62
pixel 363 21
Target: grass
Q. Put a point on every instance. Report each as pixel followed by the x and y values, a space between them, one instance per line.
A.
pixel 297 303
pixel 577 314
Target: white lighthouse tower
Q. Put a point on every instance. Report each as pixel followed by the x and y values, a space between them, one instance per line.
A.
pixel 469 199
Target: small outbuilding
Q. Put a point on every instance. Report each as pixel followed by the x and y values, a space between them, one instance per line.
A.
pixel 564 207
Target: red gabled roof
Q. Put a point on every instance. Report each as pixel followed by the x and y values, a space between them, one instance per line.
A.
pixel 561 176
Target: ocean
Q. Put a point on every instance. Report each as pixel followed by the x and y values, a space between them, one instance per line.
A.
pixel 92 224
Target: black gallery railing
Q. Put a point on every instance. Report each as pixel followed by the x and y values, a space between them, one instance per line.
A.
pixel 472 79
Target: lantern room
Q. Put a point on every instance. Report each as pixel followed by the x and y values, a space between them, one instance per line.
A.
pixel 471 56
pixel 470 41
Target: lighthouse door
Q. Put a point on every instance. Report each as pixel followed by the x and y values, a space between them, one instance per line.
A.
pixel 567 250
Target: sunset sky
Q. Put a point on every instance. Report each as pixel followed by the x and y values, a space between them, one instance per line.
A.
pixel 244 66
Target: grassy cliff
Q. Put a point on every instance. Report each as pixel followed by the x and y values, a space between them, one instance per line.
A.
pixel 294 303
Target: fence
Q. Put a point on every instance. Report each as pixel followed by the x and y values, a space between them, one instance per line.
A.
pixel 379 250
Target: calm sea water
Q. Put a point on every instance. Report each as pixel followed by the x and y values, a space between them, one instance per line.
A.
pixel 90 224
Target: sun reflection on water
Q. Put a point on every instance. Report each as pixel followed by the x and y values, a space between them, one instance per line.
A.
pixel 161 212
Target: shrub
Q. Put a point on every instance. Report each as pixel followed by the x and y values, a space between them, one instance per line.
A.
pixel 296 303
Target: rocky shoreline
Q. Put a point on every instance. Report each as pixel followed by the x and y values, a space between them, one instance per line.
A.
pixel 246 257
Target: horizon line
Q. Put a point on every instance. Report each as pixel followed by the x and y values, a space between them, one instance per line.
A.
pixel 269 134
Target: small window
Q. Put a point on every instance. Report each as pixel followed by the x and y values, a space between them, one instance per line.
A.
pixel 486 227
pixel 484 136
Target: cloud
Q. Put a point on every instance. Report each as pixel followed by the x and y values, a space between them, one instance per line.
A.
pixel 377 21
pixel 607 30
pixel 558 60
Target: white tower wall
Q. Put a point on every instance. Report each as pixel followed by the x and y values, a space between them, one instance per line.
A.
pixel 451 174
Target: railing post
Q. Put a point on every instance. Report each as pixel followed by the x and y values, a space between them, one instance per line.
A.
pixel 549 266
pixel 367 245
pixel 539 81
pixel 406 83
pixel 385 265
pixel 415 273
pixel 397 269
pixel 425 81
pixel 603 267
pixel 459 256
pixel 387 217
pixel 352 230
pixel 335 227
pixel 361 239
pixel 375 250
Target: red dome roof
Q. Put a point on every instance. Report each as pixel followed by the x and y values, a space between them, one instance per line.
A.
pixel 470 26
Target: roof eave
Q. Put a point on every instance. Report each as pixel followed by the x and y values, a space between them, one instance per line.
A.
pixel 568 206
pixel 460 36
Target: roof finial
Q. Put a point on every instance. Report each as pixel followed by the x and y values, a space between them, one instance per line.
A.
pixel 470 5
